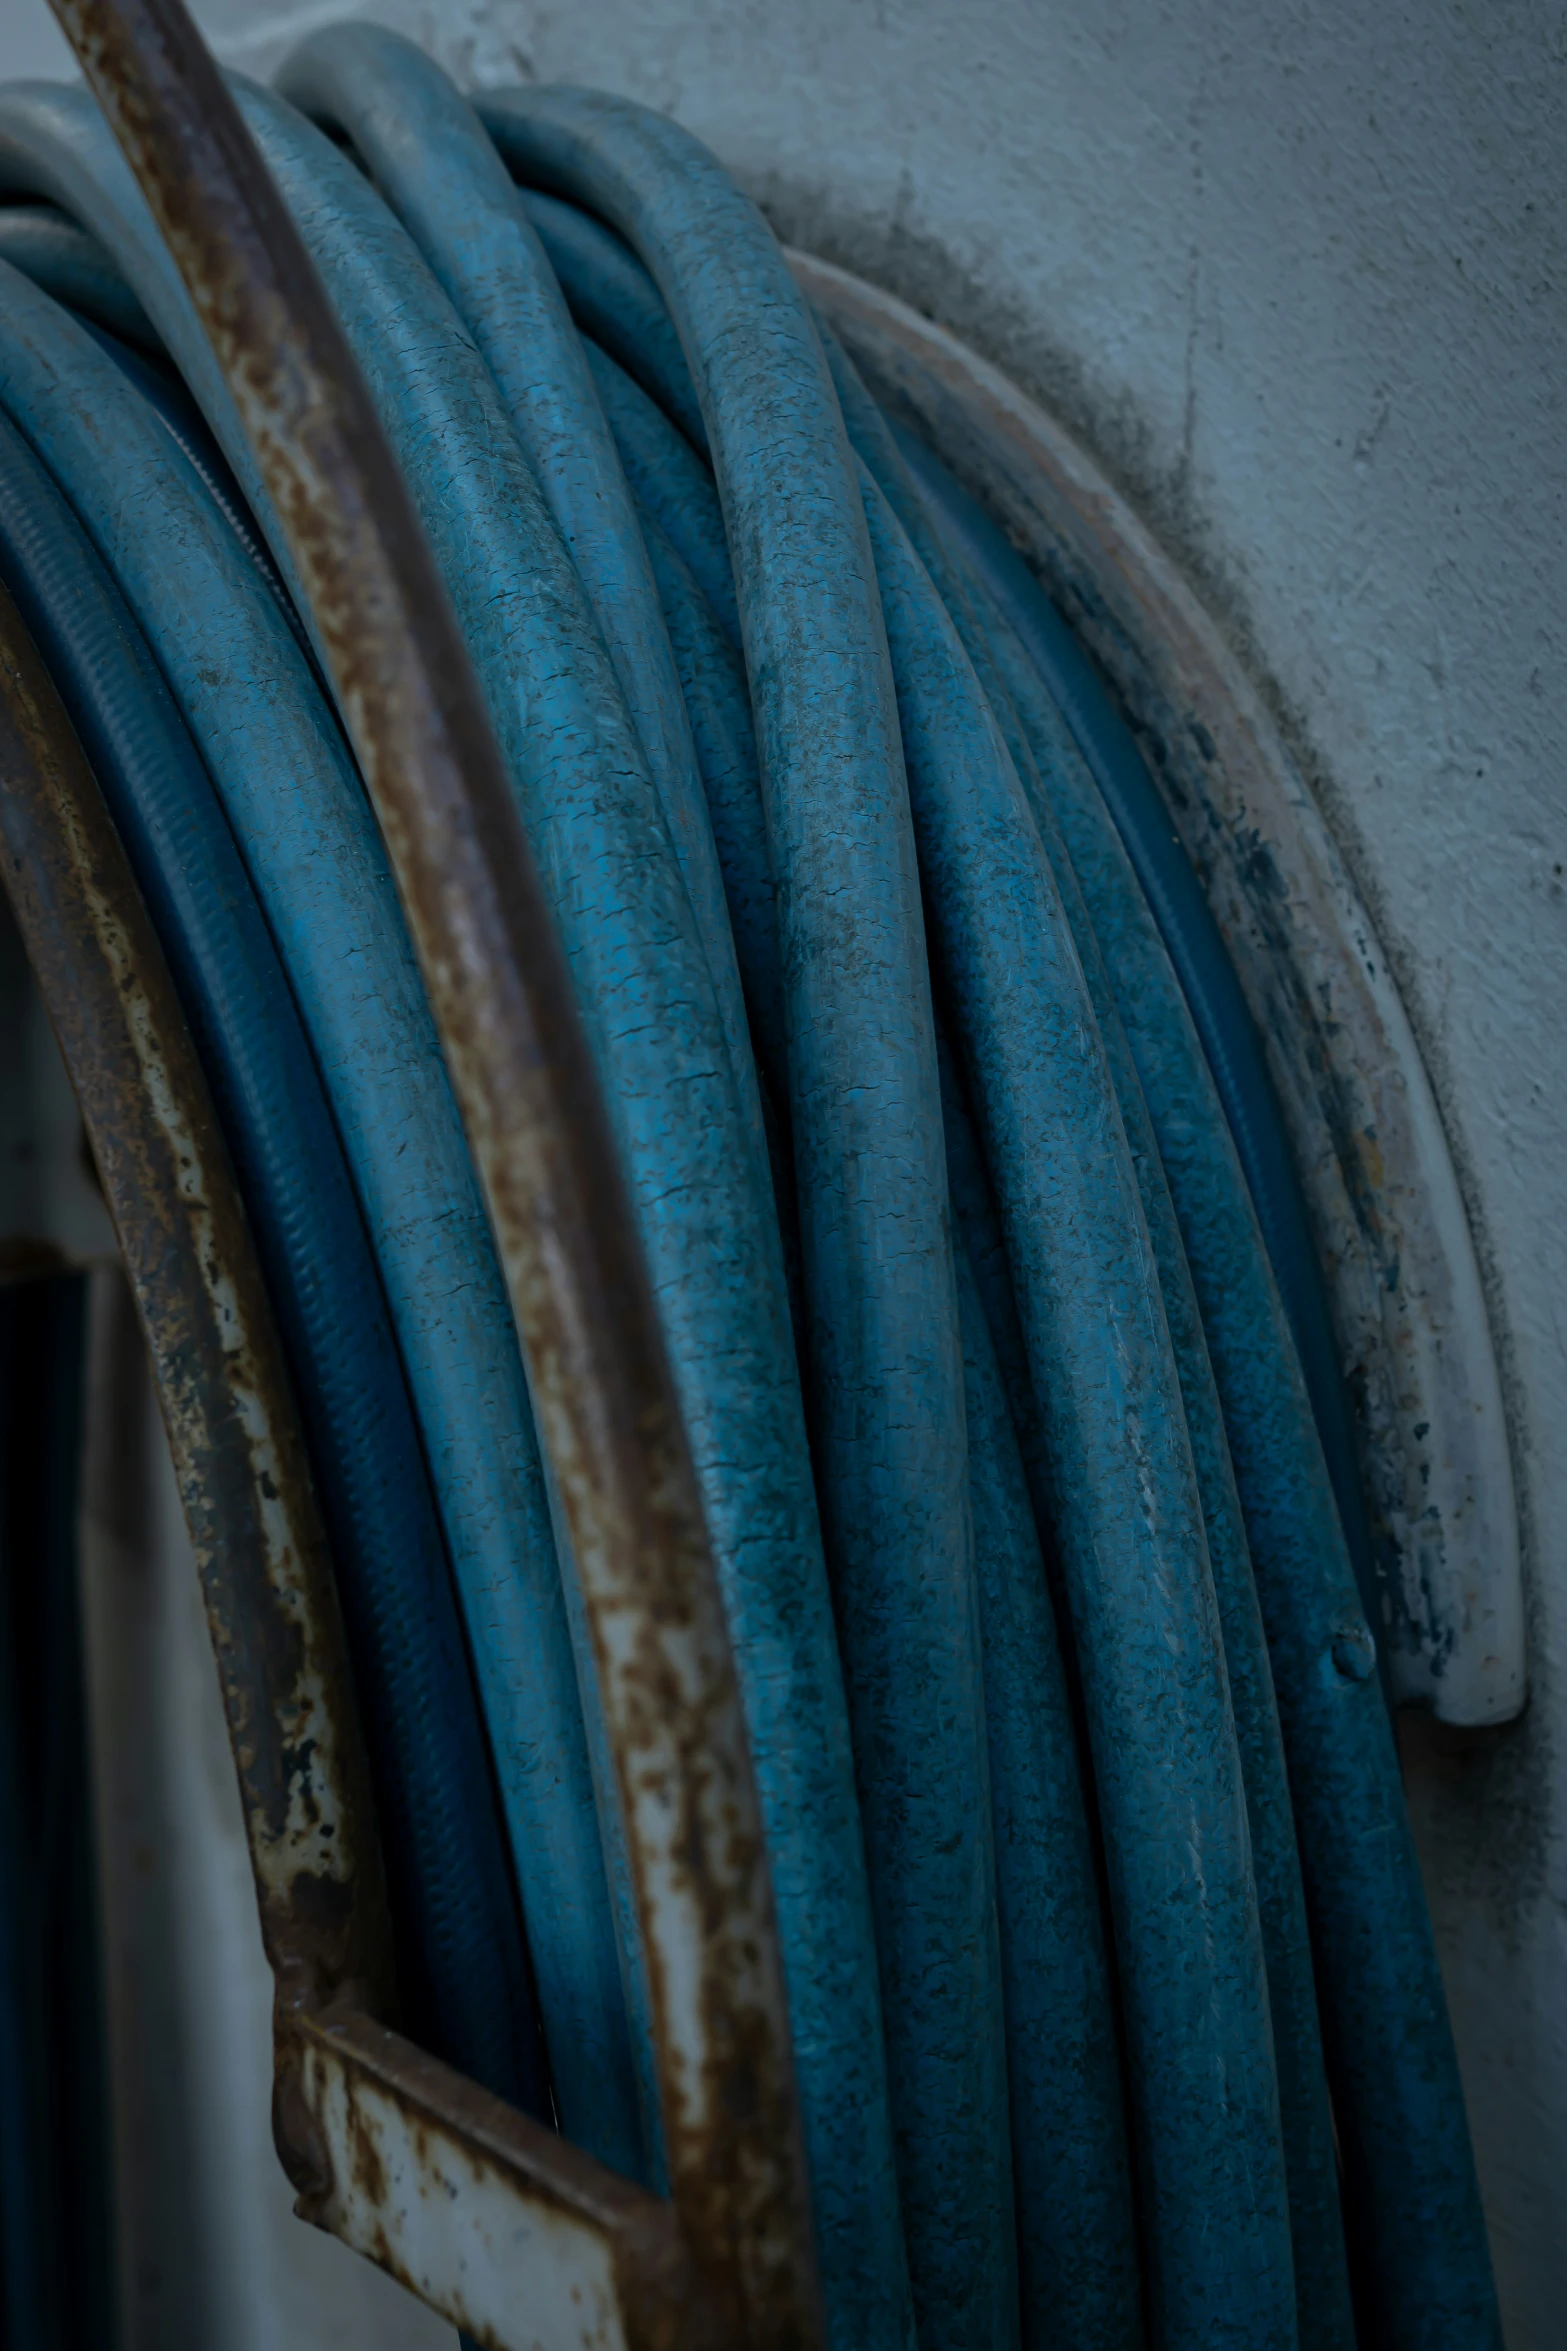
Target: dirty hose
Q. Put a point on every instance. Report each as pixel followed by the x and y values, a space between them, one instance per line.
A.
pixel 978 1249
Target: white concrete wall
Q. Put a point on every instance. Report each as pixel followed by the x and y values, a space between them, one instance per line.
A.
pixel 1296 275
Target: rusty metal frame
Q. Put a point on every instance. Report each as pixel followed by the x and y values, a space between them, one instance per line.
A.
pixel 495 2221
pixel 240 1461
pixel 600 1379
pixel 1404 1280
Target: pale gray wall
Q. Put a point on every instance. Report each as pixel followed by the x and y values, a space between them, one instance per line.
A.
pixel 1295 274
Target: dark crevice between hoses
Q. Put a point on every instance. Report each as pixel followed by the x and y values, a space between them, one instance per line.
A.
pixel 57 2255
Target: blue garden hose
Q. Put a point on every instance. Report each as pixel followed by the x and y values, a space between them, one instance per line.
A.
pixel 872 1189
pixel 431 161
pixel 1321 2275
pixel 461 1962
pixel 671 483
pixel 1365 1895
pixel 1077 2249
pixel 49 247
pixel 1411 2222
pixel 987 1324
pixel 317 865
pixel 1231 1045
pixel 617 305
pixel 691 1147
pixel 181 420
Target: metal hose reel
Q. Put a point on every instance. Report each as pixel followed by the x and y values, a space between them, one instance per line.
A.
pixel 456 2193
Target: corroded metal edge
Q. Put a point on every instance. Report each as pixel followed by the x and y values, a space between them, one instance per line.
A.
pixel 233 1430
pixel 493 2220
pixel 1405 1288
pixel 524 1079
pixel 490 2218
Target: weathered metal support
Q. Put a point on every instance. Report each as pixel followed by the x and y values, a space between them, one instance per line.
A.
pixel 487 2216
pixel 238 1455
pixel 1404 1283
pixel 495 2221
pixel 502 998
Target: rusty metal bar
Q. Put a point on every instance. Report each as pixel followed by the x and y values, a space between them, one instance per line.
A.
pixel 522 1072
pixel 239 1457
pixel 490 2218
pixel 539 2246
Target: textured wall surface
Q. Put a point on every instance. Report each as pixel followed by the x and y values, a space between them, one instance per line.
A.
pixel 1295 274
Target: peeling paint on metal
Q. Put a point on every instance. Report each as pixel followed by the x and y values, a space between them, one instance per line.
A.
pixel 498 2224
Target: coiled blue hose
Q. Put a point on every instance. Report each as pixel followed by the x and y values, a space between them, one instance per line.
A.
pixel 1361 1882
pixel 460 1950
pixel 181 419
pixel 616 304
pixel 299 814
pixel 1056 1679
pixel 68 263
pixel 1231 1046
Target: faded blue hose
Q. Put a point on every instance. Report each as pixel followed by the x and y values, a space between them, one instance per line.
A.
pixel 430 160
pixel 1399 2078
pixel 1078 2267
pixel 1411 2210
pixel 1321 2274
pixel 603 850
pixel 616 304
pixel 49 247
pixel 1140 1585
pixel 690 1142
pixel 671 483
pixel 863 1104
pixel 1077 2258
pixel 181 419
pixel 319 870
pixel 462 1967
pixel 1032 1563
pixel 1191 937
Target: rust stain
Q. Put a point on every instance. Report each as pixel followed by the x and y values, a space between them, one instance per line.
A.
pixel 368 2171
pixel 447 2124
pixel 270 1600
